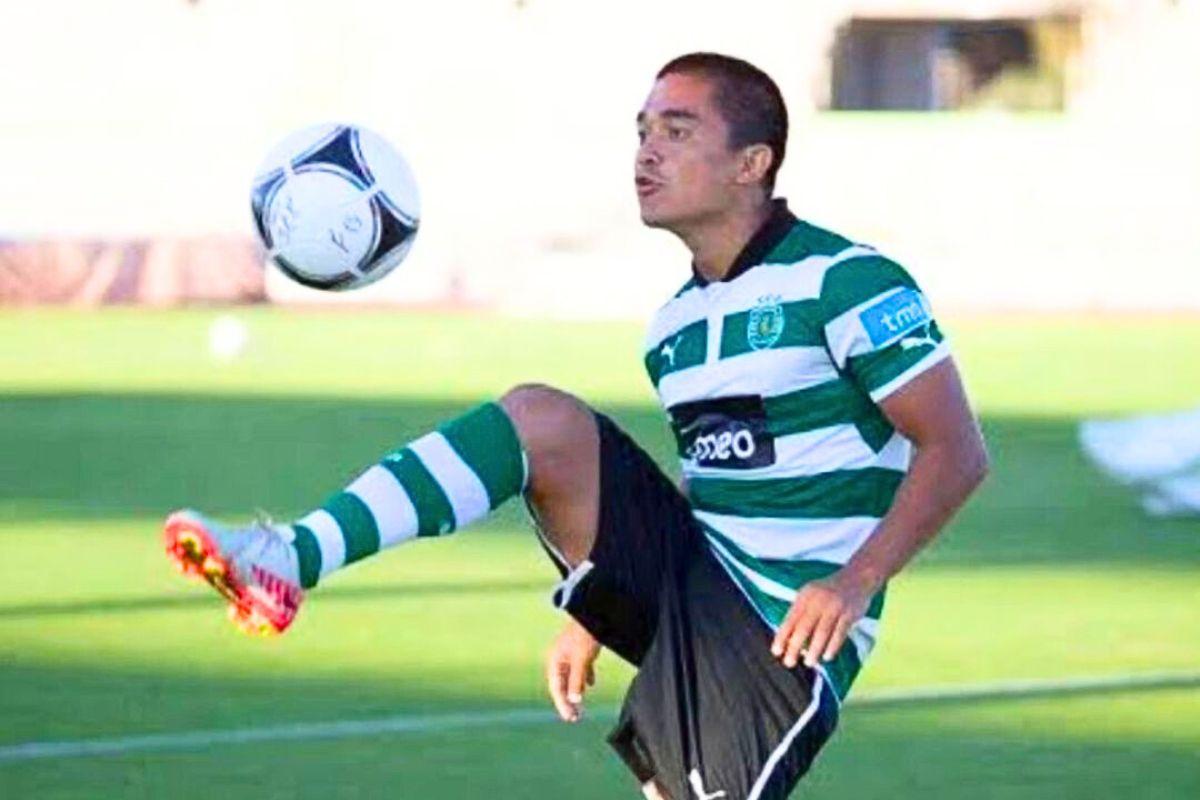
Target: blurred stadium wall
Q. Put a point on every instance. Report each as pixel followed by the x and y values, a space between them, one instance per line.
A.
pixel 1059 168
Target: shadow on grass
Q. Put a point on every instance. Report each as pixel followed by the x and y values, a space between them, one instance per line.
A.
pixel 334 594
pixel 81 457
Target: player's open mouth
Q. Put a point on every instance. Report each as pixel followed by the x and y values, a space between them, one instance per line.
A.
pixel 646 187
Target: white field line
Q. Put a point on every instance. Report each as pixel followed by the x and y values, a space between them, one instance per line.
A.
pixel 438 723
pixel 1000 690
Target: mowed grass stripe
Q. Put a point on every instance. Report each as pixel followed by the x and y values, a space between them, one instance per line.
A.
pixel 436 723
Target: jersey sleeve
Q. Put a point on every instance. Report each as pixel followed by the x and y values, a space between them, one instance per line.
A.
pixel 879 327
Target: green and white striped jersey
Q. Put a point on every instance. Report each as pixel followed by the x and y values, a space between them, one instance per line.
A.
pixel 772 379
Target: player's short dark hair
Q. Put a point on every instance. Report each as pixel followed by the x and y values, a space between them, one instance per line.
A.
pixel 748 100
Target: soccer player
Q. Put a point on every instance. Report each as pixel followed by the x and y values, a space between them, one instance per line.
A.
pixel 824 437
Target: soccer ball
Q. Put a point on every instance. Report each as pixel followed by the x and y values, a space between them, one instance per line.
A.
pixel 336 206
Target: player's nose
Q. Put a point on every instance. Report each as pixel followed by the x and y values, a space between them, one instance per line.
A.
pixel 648 154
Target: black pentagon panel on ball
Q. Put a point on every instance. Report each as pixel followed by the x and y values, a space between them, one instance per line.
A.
pixel 347 280
pixel 260 202
pixel 339 149
pixel 405 218
pixel 334 282
pixel 360 158
pixel 393 231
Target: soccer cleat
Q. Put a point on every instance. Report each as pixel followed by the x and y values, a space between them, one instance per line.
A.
pixel 255 568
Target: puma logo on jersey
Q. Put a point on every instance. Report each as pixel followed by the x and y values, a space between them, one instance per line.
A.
pixel 909 342
pixel 697 784
pixel 668 350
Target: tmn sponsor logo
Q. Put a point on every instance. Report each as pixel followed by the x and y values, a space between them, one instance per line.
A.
pixel 894 316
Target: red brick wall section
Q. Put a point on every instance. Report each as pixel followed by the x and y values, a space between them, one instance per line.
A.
pixel 157 272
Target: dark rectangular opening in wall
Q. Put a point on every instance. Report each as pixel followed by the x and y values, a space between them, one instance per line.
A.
pixel 942 64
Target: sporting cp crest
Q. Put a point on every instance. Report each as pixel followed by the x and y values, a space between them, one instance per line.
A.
pixel 766 323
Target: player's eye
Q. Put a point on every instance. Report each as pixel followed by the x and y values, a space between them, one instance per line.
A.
pixel 677 134
pixel 641 134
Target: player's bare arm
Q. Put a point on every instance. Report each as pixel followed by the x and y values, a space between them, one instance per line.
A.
pixel 949 462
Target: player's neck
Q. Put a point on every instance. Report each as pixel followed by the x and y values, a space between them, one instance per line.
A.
pixel 716 244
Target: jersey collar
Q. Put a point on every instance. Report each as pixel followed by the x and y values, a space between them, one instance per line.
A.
pixel 777 226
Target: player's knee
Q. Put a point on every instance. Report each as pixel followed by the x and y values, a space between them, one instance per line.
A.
pixel 547 420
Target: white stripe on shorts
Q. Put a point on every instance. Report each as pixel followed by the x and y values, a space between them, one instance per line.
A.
pixel 772 762
pixel 395 515
pixel 459 482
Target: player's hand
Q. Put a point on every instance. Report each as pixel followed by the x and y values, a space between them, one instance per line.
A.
pixel 820 619
pixel 569 669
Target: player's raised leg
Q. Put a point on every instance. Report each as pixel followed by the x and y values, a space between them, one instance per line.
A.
pixel 535 437
pixel 562 446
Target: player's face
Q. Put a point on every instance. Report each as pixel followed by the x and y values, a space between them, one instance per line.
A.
pixel 685 170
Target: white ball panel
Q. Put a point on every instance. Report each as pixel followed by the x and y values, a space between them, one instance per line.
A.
pixel 322 223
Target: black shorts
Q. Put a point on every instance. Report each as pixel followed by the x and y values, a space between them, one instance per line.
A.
pixel 710 710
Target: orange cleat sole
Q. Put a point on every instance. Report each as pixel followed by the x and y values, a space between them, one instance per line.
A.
pixel 194 553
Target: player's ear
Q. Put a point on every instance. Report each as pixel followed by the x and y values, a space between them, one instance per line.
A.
pixel 756 159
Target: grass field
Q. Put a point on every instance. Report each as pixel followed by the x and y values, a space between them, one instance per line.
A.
pixel 108 420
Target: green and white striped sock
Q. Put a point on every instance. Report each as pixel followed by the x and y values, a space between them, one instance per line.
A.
pixel 439 483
